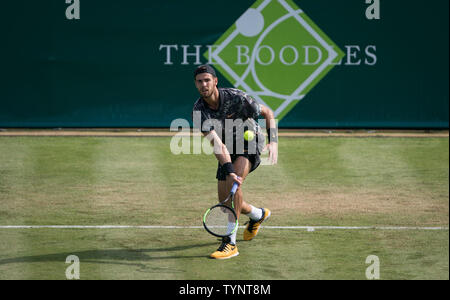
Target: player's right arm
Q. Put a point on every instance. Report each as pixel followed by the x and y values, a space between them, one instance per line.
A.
pixel 221 152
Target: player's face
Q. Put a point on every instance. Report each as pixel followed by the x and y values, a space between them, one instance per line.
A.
pixel 206 84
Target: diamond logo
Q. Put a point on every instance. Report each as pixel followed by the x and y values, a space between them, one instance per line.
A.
pixel 275 53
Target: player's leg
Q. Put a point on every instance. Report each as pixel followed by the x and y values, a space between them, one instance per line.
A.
pixel 227 248
pixel 256 215
pixel 243 166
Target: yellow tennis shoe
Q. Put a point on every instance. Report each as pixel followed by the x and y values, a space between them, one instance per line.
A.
pixel 226 250
pixel 253 226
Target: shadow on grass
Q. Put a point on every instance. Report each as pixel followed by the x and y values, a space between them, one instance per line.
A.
pixel 113 256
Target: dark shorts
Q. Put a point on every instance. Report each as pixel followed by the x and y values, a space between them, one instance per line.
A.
pixel 255 147
pixel 254 159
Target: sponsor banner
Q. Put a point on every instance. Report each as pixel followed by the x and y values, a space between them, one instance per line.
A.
pixel 316 64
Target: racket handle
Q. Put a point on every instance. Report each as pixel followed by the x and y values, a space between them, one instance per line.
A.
pixel 234 188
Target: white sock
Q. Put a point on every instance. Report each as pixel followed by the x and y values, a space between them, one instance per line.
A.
pixel 255 214
pixel 233 236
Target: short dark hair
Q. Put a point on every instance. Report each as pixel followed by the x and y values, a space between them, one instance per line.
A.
pixel 205 69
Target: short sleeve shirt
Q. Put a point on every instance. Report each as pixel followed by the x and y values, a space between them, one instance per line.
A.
pixel 235 106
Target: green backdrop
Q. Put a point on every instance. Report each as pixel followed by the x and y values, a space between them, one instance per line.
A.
pixel 107 69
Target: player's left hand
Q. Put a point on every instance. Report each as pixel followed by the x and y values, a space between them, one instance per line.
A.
pixel 273 152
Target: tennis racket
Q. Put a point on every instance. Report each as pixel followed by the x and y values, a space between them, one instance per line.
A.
pixel 221 220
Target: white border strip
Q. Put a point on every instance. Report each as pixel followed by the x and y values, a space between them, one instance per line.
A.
pixel 308 228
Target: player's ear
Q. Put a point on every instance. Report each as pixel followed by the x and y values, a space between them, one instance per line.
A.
pixel 216 81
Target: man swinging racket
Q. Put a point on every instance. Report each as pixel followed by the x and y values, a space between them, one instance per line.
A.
pixel 225 106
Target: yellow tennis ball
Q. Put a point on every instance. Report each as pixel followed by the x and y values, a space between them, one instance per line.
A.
pixel 249 135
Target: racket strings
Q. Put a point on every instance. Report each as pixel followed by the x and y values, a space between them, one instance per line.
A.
pixel 221 220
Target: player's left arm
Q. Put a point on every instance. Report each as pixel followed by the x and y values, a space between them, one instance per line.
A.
pixel 272 132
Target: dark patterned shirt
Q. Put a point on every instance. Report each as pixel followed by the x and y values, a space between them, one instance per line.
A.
pixel 240 109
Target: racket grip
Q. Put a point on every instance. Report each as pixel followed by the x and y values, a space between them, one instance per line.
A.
pixel 234 188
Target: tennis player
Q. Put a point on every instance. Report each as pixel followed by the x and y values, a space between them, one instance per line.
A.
pixel 216 106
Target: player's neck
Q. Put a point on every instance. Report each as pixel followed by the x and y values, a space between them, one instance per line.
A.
pixel 213 100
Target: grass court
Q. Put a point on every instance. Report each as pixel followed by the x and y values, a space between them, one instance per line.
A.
pixel 334 181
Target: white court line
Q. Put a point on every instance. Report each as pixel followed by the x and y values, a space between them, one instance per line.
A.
pixel 308 228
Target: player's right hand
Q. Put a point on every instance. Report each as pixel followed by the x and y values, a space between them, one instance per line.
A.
pixel 236 178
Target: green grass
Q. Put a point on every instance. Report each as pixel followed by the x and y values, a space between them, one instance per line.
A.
pixel 138 181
